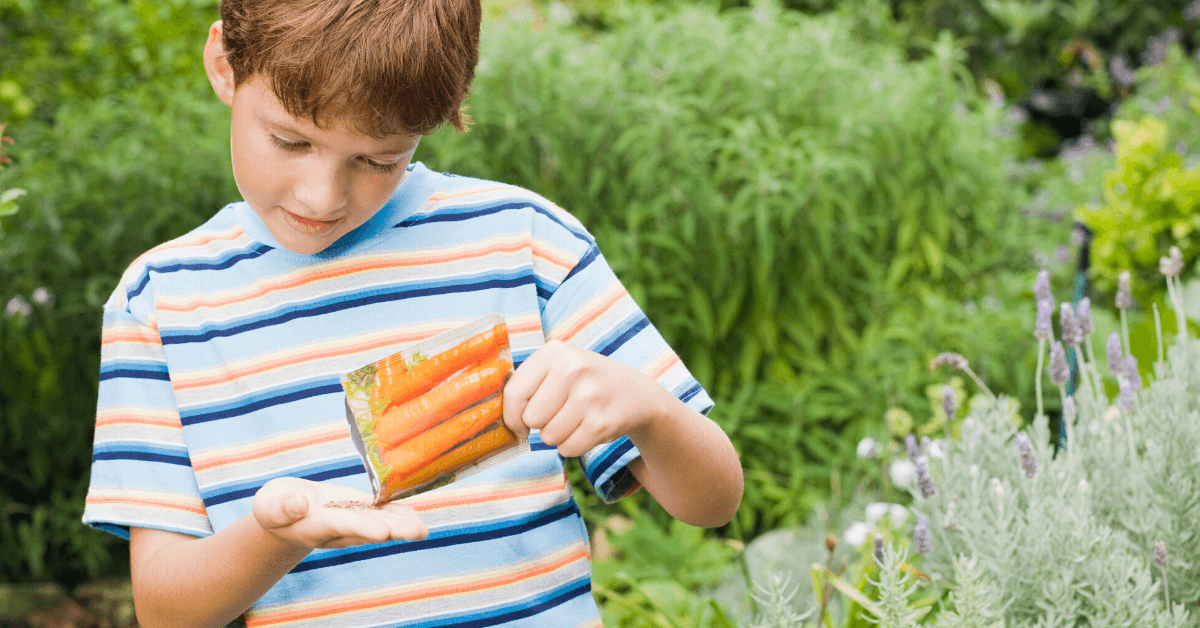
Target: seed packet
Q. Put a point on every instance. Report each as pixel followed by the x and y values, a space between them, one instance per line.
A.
pixel 432 413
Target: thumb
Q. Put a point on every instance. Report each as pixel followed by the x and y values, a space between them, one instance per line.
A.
pixel 282 510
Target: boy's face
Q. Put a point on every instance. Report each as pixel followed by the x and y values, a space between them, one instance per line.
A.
pixel 309 186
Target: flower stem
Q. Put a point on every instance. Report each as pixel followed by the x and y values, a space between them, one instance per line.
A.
pixel 1125 332
pixel 1037 382
pixel 1158 331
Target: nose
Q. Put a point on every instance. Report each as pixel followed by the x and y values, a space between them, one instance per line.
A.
pixel 322 189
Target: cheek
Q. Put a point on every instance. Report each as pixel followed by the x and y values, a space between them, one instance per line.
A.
pixel 253 171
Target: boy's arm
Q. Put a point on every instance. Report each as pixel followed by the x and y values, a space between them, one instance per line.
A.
pixel 580 399
pixel 180 580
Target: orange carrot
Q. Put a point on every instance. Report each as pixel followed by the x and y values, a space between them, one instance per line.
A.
pixel 402 422
pixel 421 449
pixel 387 372
pixel 452 460
pixel 421 377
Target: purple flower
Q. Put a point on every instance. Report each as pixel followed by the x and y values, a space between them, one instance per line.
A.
pixel 1131 371
pixel 924 481
pixel 1043 328
pixel 1071 332
pixel 1059 371
pixel 1160 555
pixel 1124 291
pixel 1119 68
pixel 1085 317
pixel 949 403
pixel 921 539
pixel 1028 464
pixel 1116 356
pixel 1041 287
pixel 910 446
pixel 1127 395
pixel 1068 411
pixel 879 549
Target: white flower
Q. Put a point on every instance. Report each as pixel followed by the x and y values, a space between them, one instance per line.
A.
pixel 856 534
pixel 1094 426
pixel 17 305
pixel 937 449
pixel 868 448
pixel 998 487
pixel 902 472
pixel 876 511
pixel 1111 414
pixel 42 296
pixel 899 514
pixel 974 470
pixel 1083 485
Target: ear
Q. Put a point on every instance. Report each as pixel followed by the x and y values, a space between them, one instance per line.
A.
pixel 220 73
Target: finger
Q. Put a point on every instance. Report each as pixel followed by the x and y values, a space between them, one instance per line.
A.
pixel 583 439
pixel 560 422
pixel 524 382
pixel 281 509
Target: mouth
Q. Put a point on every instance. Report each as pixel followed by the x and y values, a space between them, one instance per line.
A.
pixel 306 226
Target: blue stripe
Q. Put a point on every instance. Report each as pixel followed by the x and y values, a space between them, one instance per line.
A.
pixel 695 389
pixel 135 374
pixel 257 251
pixel 327 472
pixel 584 262
pixel 624 336
pixel 442 539
pixel 602 465
pixel 495 616
pixel 142 455
pixel 260 404
pixel 450 215
pixel 329 306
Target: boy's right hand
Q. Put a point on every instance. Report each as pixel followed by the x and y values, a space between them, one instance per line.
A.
pixel 297 511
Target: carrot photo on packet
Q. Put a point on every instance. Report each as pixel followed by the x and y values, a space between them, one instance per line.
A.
pixel 433 412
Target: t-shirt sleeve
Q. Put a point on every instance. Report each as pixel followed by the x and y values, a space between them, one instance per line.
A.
pixel 584 304
pixel 141 471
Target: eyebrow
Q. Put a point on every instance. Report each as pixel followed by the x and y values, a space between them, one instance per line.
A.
pixel 396 152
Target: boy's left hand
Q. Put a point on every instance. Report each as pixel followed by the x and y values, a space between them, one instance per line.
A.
pixel 579 398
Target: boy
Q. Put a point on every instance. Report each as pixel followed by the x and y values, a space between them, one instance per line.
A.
pixel 220 431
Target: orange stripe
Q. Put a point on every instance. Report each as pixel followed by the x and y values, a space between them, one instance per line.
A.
pixel 380 264
pixel 670 363
pixel 412 596
pixel 127 336
pixel 459 194
pixel 184 382
pixel 134 419
pixel 233 234
pixel 600 309
pixel 486 497
pixel 199 510
pixel 295 443
pixel 553 259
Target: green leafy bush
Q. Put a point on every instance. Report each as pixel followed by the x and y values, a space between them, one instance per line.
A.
pixel 838 205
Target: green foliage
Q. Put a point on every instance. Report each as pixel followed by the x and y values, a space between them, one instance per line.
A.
pixel 1022 42
pixel 840 203
pixel 1150 194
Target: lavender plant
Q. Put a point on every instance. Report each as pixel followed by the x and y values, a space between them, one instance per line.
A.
pixel 1020 536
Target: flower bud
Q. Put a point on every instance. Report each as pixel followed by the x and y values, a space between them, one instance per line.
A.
pixel 1171 265
pixel 1059 371
pixel 924 480
pixel 921 540
pixel 1041 287
pixel 911 448
pixel 868 448
pixel 1124 291
pixel 1085 317
pixel 1042 327
pixel 1160 555
pixel 1071 333
pixel 949 403
pixel 1131 371
pixel 1028 463
pixel 1128 397
pixel 1068 412
pixel 1115 354
pixel 879 549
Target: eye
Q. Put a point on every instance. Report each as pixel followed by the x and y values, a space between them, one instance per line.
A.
pixel 382 168
pixel 286 145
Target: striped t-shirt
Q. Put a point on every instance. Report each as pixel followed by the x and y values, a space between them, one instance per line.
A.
pixel 220 367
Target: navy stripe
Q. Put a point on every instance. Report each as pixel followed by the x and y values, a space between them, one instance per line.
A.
pixel 258 251
pixel 328 474
pixel 608 461
pixel 620 341
pixel 583 589
pixel 584 262
pixel 169 339
pixel 260 404
pixel 544 293
pixel 136 374
pixel 691 392
pixel 540 446
pixel 142 455
pixel 448 216
pixel 436 540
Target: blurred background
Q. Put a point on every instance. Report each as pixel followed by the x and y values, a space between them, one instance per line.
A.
pixel 810 198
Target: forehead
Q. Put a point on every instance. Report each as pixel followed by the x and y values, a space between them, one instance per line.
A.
pixel 260 101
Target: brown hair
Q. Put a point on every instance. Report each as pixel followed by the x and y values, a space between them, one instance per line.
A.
pixel 378 67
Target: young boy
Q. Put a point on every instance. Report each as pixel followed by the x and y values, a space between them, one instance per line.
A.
pixel 220 433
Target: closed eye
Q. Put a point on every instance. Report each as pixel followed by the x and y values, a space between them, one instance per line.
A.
pixel 286 145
